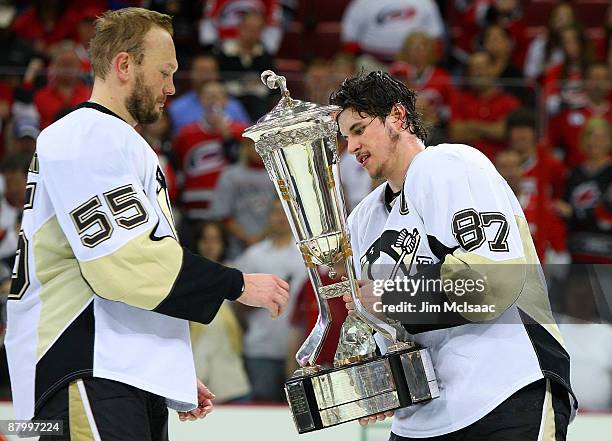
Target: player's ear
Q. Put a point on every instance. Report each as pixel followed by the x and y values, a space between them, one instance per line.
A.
pixel 121 64
pixel 398 115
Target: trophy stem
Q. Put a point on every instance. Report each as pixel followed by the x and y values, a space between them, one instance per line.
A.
pixel 388 331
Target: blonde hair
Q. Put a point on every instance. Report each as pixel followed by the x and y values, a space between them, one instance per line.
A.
pixel 593 123
pixel 402 55
pixel 123 30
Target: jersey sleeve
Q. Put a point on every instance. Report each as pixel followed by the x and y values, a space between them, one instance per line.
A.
pixel 101 204
pixel 471 226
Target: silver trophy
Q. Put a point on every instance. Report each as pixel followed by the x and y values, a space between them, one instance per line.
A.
pixel 297 142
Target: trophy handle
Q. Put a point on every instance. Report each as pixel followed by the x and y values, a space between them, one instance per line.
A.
pixel 310 349
pixel 274 81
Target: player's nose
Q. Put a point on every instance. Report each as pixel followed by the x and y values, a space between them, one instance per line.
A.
pixel 353 145
pixel 169 88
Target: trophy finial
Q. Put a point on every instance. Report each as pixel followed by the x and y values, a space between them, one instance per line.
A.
pixel 273 81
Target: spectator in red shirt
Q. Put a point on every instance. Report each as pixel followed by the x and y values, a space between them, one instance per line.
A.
pixel 545 49
pixel 201 149
pixel 546 228
pixel 480 13
pixel 562 82
pixel 478 113
pixel 541 170
pixel 416 67
pixel 48 22
pixel 65 87
pixel 85 32
pixel 497 42
pixel 564 130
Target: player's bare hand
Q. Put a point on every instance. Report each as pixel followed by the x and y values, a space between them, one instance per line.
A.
pixel 377 417
pixel 205 405
pixel 265 291
pixel 367 297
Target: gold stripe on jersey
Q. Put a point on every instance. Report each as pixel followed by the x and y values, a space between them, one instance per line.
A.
pixel 534 298
pixel 141 273
pixel 503 282
pixel 63 291
pixel 548 427
pixel 77 417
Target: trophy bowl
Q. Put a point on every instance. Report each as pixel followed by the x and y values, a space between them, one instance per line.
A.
pixel 297 141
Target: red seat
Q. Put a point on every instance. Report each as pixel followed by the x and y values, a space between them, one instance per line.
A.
pixel 322 10
pixel 591 13
pixel 325 41
pixel 536 12
pixel 292 45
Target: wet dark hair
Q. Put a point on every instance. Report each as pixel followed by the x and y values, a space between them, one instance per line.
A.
pixel 375 94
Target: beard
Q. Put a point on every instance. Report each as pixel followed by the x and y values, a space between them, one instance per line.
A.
pixel 141 103
pixel 382 170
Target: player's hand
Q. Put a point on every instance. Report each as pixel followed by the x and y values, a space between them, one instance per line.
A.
pixel 205 405
pixel 266 291
pixel 378 417
pixel 369 300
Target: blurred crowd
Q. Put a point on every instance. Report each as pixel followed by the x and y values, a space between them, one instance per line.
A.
pixel 526 82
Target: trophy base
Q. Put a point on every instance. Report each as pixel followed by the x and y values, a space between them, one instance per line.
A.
pixel 334 396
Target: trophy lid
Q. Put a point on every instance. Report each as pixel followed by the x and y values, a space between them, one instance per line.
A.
pixel 288 112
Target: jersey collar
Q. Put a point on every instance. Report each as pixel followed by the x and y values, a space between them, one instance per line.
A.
pixel 98 107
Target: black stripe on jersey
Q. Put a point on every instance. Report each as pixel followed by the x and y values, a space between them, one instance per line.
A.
pixel 438 248
pixel 200 288
pixel 70 357
pixel 425 321
pixel 561 408
pixel 390 197
pixel 553 358
pixel 99 107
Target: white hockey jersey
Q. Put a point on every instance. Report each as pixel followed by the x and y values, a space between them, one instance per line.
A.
pixel 461 212
pixel 101 286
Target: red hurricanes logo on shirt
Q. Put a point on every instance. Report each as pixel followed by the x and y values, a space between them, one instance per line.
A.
pixel 231 13
pixel 585 195
pixel 387 16
pixel 205 158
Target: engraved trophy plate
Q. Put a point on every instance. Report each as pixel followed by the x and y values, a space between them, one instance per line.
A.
pixel 297 142
pixel 354 383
